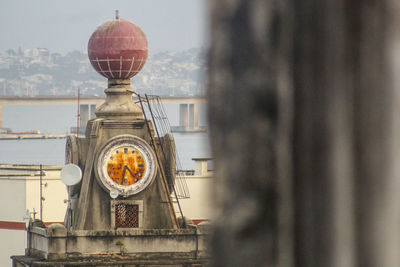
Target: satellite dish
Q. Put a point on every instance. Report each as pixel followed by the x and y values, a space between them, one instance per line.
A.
pixel 71 174
pixel 114 193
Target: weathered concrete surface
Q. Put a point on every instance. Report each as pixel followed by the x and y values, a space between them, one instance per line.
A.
pixel 249 111
pixel 55 244
pixel 304 98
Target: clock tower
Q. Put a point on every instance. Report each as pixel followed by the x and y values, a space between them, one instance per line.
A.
pixel 120 212
pixel 125 183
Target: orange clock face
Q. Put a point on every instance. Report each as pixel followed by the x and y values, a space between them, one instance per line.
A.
pixel 125 165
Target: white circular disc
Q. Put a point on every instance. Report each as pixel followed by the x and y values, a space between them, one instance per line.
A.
pixel 114 193
pixel 71 174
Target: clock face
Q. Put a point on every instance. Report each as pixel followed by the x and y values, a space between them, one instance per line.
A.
pixel 126 163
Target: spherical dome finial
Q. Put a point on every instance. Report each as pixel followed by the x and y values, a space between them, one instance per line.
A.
pixel 118 49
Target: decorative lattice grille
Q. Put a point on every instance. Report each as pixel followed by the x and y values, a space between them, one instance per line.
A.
pixel 126 216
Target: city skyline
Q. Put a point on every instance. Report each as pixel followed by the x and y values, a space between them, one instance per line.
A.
pixel 39 72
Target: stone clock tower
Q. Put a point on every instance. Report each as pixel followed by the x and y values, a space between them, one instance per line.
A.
pixel 120 213
pixel 124 182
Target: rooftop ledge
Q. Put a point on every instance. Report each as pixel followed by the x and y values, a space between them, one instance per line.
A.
pixel 61 231
pixel 56 243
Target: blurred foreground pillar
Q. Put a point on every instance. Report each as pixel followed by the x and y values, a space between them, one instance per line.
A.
pixel 304 104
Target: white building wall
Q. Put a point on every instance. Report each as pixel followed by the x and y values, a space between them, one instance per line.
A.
pixel 12 199
pixel 19 193
pixel 199 205
pixel 12 209
pixel 13 242
pixel 54 193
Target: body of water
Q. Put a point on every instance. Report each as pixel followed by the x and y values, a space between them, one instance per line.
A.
pixel 58 120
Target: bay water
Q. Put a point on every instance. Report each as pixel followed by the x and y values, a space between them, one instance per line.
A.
pixel 58 119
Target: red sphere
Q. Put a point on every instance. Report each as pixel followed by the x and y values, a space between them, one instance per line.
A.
pixel 118 49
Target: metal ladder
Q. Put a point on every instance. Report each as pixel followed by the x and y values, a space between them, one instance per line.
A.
pixel 162 127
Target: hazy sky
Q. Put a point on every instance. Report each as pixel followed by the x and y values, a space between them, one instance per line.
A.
pixel 67 25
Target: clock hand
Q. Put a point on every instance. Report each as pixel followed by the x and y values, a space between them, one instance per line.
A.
pixel 123 175
pixel 129 170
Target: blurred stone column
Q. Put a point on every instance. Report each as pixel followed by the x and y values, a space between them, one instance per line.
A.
pixel 346 133
pixel 250 107
pixel 304 103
